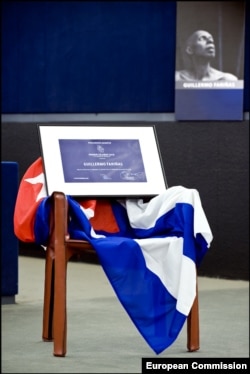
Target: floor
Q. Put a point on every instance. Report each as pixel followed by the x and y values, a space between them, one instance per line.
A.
pixel 101 337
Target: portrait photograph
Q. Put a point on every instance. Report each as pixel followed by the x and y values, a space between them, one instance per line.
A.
pixel 209 74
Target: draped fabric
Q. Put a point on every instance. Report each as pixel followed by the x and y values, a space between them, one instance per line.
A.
pixel 148 250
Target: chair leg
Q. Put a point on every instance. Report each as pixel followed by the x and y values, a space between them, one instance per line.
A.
pixel 60 320
pixel 193 333
pixel 48 304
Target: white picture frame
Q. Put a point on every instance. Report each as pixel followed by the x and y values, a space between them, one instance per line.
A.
pixel 102 161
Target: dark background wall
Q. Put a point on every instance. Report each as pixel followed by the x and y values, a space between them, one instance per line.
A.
pixel 119 57
pixel 96 56
pixel 211 157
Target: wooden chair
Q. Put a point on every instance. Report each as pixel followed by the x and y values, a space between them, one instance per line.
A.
pixel 59 250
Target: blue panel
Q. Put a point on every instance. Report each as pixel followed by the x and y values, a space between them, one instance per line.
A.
pixel 247 59
pixel 9 242
pixel 209 104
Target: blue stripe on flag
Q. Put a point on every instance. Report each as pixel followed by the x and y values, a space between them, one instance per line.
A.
pixel 148 303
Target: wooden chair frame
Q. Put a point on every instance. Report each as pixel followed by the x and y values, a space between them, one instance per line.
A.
pixel 59 250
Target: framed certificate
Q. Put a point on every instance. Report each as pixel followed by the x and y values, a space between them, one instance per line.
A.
pixel 99 161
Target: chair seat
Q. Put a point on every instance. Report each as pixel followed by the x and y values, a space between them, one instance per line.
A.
pixel 79 244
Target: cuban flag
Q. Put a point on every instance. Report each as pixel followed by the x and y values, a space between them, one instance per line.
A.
pixel 148 250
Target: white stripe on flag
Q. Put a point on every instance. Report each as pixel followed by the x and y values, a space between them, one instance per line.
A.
pixel 164 257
